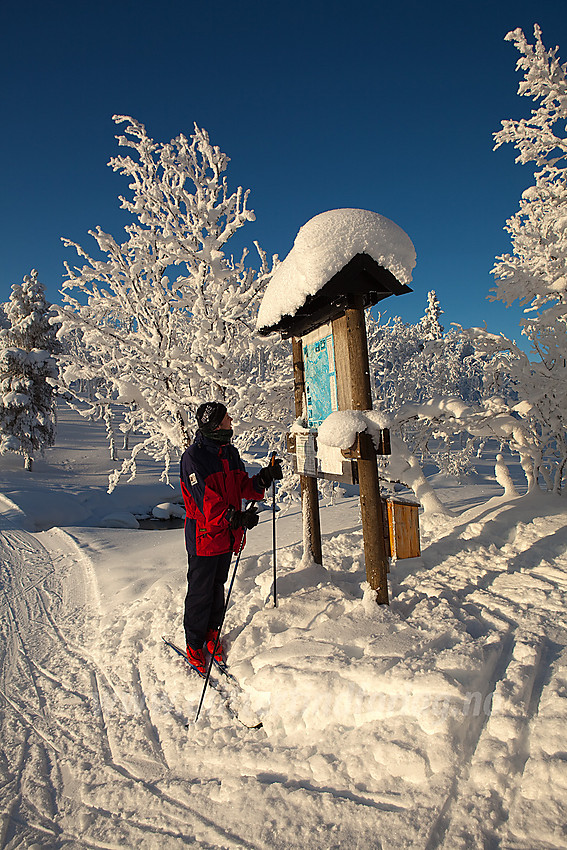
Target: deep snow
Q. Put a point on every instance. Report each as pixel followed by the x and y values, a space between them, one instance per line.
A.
pixel 436 722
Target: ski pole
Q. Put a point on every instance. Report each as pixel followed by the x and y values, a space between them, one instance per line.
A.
pixel 272 460
pixel 208 676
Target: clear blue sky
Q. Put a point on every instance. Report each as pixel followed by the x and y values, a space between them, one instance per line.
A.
pixel 384 106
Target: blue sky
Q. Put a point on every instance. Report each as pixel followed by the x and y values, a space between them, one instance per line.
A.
pixel 387 107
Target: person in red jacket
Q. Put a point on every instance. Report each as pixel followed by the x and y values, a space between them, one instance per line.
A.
pixel 214 483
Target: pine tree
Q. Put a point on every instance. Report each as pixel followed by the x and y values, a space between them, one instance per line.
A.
pixel 28 372
pixel 430 324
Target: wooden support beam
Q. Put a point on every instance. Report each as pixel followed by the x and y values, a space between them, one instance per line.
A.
pixel 309 490
pixel 351 333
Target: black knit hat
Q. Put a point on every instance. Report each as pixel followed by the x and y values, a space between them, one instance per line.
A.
pixel 210 416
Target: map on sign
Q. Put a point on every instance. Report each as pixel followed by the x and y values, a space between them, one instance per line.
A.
pixel 320 375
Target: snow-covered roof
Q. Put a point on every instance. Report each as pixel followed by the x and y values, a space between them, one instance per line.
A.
pixel 323 247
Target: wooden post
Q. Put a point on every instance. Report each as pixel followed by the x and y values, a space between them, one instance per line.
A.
pixel 309 491
pixel 351 333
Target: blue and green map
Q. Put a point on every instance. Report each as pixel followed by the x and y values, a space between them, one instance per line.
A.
pixel 320 379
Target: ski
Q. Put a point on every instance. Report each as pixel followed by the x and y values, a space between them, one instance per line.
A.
pixel 222 668
pixel 213 683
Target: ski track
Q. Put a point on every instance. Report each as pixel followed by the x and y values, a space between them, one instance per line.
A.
pixel 42 668
pixel 479 809
pixel 64 785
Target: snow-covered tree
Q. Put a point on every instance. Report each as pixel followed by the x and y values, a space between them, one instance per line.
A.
pixel 414 367
pixel 535 273
pixel 29 316
pixel 415 362
pixel 168 314
pixel 431 327
pixel 28 372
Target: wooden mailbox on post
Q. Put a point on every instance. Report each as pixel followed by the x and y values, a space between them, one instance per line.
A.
pixel 332 373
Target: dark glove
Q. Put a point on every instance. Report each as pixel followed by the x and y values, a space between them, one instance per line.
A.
pixel 244 519
pixel 270 473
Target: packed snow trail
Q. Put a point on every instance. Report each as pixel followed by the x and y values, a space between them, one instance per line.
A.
pixel 435 723
pixel 59 711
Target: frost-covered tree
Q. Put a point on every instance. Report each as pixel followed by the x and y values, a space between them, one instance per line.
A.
pixel 28 372
pixel 430 325
pixel 535 273
pixel 415 366
pixel 29 317
pixel 168 313
pixel 415 362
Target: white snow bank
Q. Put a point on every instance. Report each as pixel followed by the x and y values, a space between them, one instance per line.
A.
pixel 167 510
pixel 329 670
pixel 323 247
pixel 374 717
pixel 119 519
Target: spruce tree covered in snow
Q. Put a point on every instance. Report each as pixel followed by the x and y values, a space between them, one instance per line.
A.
pixel 28 372
pixel 431 327
pixel 167 314
pixel 535 273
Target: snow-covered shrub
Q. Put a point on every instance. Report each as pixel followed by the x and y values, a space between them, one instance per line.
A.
pixel 415 362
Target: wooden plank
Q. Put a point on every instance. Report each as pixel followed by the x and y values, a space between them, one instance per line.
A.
pixel 309 491
pixel 342 362
pixel 359 366
pixel 298 377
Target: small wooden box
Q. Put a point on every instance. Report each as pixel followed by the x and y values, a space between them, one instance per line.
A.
pixel 403 527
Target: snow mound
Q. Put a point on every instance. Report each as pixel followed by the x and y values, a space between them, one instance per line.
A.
pixel 119 519
pixel 167 510
pixel 328 667
pixel 323 247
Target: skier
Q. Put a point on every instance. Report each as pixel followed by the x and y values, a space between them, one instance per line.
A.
pixel 214 482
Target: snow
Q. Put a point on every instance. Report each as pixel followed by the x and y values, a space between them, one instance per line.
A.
pixel 436 722
pixel 119 519
pixel 323 246
pixel 340 428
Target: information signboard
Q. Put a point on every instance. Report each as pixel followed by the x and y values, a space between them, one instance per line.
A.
pixel 320 375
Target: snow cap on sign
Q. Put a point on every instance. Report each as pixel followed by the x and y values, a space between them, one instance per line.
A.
pixel 323 247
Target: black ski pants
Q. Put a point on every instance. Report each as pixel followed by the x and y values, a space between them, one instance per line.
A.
pixel 204 602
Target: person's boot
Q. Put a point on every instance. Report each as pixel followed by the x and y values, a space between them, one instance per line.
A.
pixel 196 658
pixel 210 641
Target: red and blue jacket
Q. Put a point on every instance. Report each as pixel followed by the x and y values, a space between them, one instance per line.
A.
pixel 214 481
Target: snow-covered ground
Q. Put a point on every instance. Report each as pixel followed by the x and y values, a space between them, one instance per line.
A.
pixel 436 722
